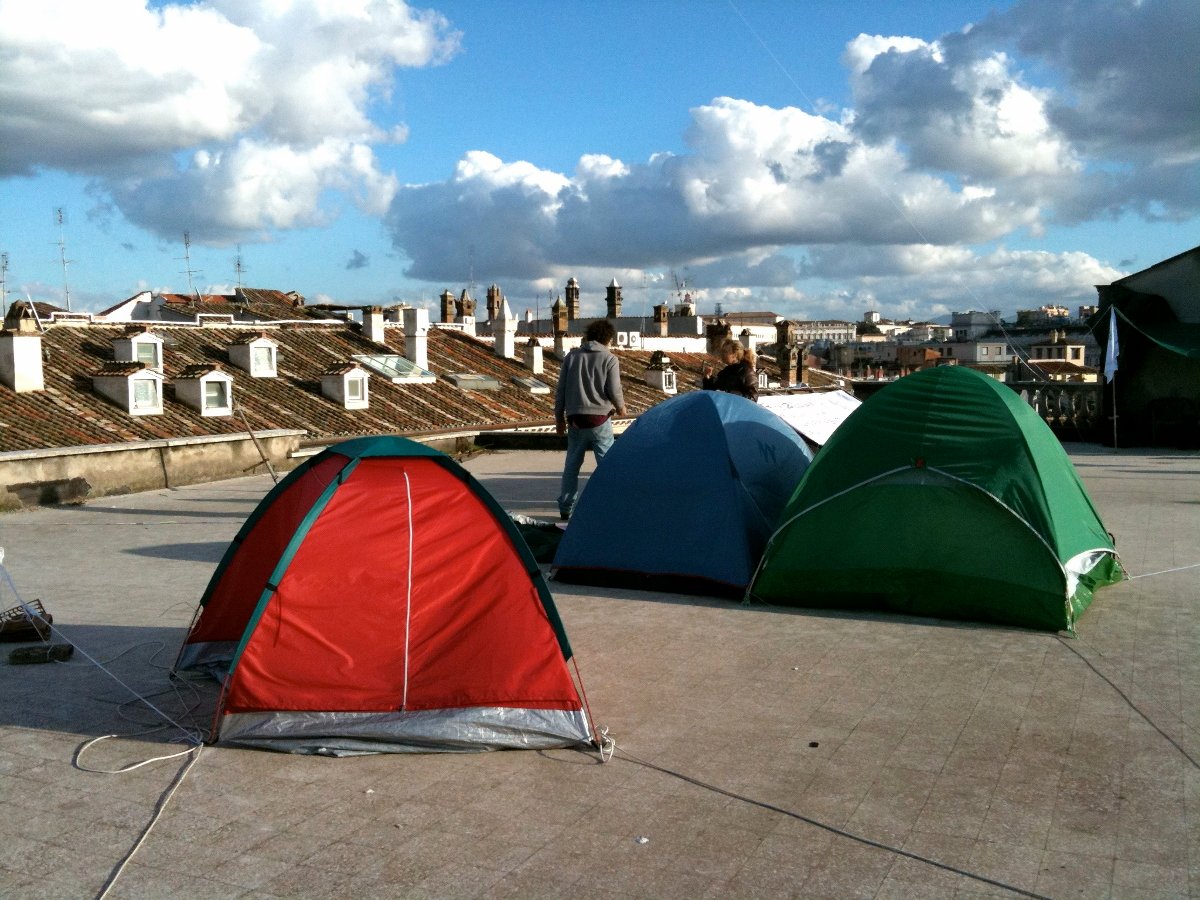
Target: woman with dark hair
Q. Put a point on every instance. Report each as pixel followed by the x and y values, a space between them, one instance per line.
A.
pixel 738 376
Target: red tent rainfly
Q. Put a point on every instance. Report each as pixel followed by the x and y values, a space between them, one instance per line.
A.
pixel 379 600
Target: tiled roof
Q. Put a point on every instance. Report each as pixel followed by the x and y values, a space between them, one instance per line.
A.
pixel 119 368
pixel 199 370
pixel 246 305
pixel 69 412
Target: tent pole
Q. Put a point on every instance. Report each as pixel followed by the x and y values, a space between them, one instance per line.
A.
pixel 1114 415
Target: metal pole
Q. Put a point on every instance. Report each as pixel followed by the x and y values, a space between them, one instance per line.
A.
pixel 1114 417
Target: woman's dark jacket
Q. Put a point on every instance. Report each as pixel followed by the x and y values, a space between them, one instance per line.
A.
pixel 738 378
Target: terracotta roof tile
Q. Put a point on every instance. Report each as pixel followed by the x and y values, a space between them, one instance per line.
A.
pixel 69 412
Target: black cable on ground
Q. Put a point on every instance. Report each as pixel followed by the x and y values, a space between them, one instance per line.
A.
pixel 830 828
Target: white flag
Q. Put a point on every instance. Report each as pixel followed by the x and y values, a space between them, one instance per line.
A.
pixel 1110 353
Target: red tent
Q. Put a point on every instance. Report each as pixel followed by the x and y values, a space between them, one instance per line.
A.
pixel 379 600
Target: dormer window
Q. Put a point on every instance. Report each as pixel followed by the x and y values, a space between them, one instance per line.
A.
pixel 139 346
pixel 149 354
pixel 262 360
pixel 146 395
pixel 131 386
pixel 205 388
pixel 216 395
pixel 346 384
pixel 255 354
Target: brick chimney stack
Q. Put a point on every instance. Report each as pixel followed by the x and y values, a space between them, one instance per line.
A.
pixel 494 299
pixel 613 300
pixel 662 315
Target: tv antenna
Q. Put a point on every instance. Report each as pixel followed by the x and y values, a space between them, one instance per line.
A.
pixel 471 271
pixel 62 253
pixel 187 262
pixel 238 268
pixel 4 283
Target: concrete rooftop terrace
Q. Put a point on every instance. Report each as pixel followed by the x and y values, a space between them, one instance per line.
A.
pixel 761 752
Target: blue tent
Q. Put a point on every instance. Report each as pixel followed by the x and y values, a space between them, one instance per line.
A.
pixel 686 499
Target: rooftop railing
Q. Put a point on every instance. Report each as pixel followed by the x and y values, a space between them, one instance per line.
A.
pixel 1072 409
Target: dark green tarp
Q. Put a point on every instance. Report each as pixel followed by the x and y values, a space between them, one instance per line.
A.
pixel 944 495
pixel 1150 315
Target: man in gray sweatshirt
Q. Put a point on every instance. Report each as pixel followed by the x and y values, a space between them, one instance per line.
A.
pixel 589 389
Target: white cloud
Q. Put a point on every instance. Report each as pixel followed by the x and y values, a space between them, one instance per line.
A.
pixel 757 178
pixel 118 91
pixel 970 116
pixel 1130 67
pixel 252 187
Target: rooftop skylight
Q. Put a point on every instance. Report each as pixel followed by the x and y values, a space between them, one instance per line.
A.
pixel 397 369
pixel 468 381
pixel 528 383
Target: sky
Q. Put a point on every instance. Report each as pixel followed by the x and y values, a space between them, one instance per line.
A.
pixel 816 159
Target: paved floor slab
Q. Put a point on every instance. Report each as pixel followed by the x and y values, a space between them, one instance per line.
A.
pixel 760 751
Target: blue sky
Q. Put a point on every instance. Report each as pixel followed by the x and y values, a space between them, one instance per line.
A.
pixel 818 159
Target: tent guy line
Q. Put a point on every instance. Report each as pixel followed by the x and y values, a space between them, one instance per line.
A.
pixel 1129 701
pixel 1165 571
pixel 816 823
pixel 190 734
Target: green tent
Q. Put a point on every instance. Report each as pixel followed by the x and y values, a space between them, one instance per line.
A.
pixel 944 495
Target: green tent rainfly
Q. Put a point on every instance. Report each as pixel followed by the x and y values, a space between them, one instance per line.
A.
pixel 945 495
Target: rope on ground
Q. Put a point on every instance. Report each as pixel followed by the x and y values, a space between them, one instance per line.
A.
pixel 832 829
pixel 159 809
pixel 193 737
pixel 1129 700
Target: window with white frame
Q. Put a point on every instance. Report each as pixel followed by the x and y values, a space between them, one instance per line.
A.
pixel 148 354
pixel 262 360
pixel 216 394
pixel 355 387
pixel 145 393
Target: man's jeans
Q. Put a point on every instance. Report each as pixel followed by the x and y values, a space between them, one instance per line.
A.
pixel 579 440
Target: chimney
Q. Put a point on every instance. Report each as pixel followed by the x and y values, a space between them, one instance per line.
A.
pixel 372 324
pixel 21 359
pixel 559 315
pixel 747 339
pixel 789 366
pixel 504 330
pixel 785 333
pixel 448 309
pixel 416 336
pixel 533 357
pixel 465 307
pixel 662 315
pixel 494 299
pixel 715 333
pixel 661 373
pixel 613 300
pixel 572 300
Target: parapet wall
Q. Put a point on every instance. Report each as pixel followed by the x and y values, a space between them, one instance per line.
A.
pixel 30 478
